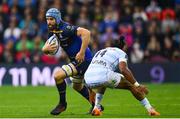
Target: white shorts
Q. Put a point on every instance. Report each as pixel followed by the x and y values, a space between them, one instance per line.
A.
pixel 99 76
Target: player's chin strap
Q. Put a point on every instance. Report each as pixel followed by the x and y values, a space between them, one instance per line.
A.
pixel 56 31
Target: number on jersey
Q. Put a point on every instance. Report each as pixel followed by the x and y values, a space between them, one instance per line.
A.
pixel 101 53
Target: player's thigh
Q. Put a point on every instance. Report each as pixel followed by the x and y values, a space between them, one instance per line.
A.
pixel 114 79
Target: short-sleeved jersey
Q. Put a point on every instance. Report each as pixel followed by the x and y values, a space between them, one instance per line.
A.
pixel 109 57
pixel 103 67
pixel 69 41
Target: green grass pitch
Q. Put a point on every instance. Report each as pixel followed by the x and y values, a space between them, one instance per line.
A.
pixel 32 102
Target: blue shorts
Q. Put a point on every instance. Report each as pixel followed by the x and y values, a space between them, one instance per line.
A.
pixel 81 67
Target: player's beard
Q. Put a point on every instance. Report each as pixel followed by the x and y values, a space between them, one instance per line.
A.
pixel 52 27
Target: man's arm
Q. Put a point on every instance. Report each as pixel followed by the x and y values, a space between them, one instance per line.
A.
pixel 129 76
pixel 85 36
pixel 127 73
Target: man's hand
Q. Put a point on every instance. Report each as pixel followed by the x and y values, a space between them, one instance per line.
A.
pixel 80 57
pixel 49 48
pixel 143 89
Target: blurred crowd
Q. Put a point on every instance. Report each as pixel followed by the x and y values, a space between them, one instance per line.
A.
pixel 151 28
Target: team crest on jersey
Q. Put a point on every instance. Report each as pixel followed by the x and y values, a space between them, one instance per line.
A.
pixel 60 36
pixel 70 27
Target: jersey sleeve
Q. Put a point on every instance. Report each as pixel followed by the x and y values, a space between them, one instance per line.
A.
pixel 71 30
pixel 123 57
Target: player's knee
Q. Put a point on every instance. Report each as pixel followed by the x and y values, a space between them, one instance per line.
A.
pixel 59 76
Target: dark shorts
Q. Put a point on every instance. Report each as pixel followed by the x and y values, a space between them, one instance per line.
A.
pixel 81 67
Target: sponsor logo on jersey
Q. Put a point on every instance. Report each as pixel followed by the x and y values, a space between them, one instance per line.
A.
pixel 99 62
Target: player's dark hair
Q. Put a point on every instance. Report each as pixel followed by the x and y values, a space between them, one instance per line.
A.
pixel 119 43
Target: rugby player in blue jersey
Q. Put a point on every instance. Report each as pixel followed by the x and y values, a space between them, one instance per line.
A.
pixel 74 41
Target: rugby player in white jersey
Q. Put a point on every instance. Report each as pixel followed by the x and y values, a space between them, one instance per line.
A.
pixel 101 75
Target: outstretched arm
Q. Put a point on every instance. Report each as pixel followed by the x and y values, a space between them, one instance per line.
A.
pixel 129 76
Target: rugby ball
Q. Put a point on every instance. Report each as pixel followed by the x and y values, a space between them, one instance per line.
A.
pixel 54 40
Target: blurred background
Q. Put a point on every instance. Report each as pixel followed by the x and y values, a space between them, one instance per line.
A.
pixel 151 28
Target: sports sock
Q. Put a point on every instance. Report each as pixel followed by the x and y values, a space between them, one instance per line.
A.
pixel 146 103
pixel 84 92
pixel 62 92
pixel 98 100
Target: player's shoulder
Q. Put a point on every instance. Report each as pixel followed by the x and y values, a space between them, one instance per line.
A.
pixel 68 27
pixel 117 50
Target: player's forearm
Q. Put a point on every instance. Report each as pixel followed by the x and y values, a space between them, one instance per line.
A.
pixel 85 42
pixel 127 73
pixel 85 36
pixel 129 76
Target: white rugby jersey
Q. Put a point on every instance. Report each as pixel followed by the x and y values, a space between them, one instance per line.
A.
pixel 109 57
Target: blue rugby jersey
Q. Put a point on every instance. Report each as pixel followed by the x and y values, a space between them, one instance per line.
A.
pixel 69 41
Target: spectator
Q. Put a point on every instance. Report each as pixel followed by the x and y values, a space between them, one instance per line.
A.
pixel 1 29
pixel 8 55
pixel 83 20
pixel 23 56
pixel 1 52
pixel 108 35
pixel 24 41
pixel 126 17
pixel 139 13
pixel 176 36
pixel 28 25
pixel 36 54
pixel 140 21
pixel 95 45
pixel 140 33
pixel 108 22
pixel 127 30
pixel 168 24
pixel 168 12
pixel 176 56
pixel 12 32
pixel 168 48
pixel 41 22
pixel 153 51
pixel 137 53
pixel 153 11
